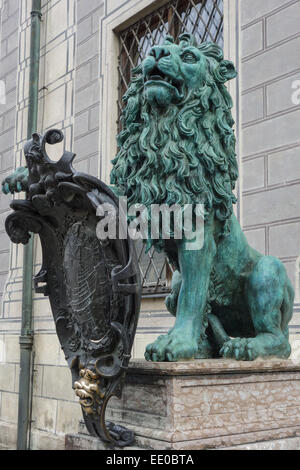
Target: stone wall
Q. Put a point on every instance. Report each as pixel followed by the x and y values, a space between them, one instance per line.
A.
pixel 270 42
pixel 9 50
pixel 54 410
pixel 9 53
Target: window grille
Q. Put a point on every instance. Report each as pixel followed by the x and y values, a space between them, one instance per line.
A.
pixel 204 19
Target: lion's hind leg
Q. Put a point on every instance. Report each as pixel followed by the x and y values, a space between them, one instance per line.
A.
pixel 269 296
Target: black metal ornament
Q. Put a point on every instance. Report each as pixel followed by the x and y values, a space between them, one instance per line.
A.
pixel 93 285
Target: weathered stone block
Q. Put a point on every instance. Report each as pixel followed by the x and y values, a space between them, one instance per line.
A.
pixel 87 97
pixel 7 377
pixel 284 240
pixel 12 348
pixel 82 165
pixel 257 239
pixel 68 416
pixel 82 124
pixel 94 164
pixel 9 62
pixel 96 18
pixel 88 49
pixel 54 113
pixel 7 139
pixel 8 433
pixel 114 4
pixel 253 9
pixel 84 29
pixel 270 206
pixel 291 443
pixel 87 145
pixel 283 24
pixel 94 118
pixel 84 8
pixel 268 135
pixel 290 268
pixel 57 56
pixel 13 6
pixel 252 39
pixel 271 64
pixel 83 76
pixel 9 407
pixel 4 259
pixel 9 26
pixel 57 383
pixel 284 166
pixel 279 95
pixel 44 414
pixel 41 440
pixel 37 380
pixel 254 174
pixel 46 349
pixel 57 20
pixel 252 106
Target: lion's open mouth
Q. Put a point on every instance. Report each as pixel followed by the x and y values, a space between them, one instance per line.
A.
pixel 157 75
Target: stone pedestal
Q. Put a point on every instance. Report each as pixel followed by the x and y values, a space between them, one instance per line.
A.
pixel 209 404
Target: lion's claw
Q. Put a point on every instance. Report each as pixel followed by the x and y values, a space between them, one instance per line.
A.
pixel 5 188
pixel 171 347
pixel 240 349
pixel 16 182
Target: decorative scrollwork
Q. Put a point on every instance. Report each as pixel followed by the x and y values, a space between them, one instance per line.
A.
pixel 93 287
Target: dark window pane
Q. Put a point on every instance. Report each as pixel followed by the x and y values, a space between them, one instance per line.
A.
pixel 203 18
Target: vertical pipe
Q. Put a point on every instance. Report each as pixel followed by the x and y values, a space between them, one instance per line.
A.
pixel 26 338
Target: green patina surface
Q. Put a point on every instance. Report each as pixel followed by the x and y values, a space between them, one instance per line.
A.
pixel 16 182
pixel 177 146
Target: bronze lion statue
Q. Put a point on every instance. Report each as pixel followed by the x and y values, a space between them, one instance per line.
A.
pixel 177 146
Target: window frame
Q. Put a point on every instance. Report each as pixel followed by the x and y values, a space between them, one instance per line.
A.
pixel 111 26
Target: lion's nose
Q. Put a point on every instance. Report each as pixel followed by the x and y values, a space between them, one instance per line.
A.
pixel 159 52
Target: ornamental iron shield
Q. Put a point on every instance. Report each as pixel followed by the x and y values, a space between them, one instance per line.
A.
pixel 93 285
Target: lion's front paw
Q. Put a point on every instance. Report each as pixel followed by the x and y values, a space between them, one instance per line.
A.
pixel 241 349
pixel 171 347
pixel 16 182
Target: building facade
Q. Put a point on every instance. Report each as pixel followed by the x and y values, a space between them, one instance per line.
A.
pixel 87 50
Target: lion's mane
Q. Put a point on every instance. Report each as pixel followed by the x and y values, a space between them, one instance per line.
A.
pixel 184 156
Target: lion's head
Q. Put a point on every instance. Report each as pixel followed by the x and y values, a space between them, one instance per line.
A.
pixel 177 144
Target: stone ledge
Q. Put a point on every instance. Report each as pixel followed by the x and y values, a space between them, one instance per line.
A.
pixel 86 442
pixel 211 366
pixel 291 443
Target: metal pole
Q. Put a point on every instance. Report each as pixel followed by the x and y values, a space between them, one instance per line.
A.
pixel 26 338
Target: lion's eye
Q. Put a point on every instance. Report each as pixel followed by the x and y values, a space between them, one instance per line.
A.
pixel 189 57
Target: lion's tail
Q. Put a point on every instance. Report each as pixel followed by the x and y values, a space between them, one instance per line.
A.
pixel 287 305
pixel 220 335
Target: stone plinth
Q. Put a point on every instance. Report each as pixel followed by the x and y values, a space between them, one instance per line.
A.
pixel 210 404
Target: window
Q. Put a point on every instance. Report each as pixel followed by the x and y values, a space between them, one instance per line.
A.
pixel 204 19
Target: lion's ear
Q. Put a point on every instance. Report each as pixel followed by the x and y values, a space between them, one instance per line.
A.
pixel 225 71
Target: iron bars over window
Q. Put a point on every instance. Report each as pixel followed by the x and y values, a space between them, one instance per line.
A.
pixel 204 19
